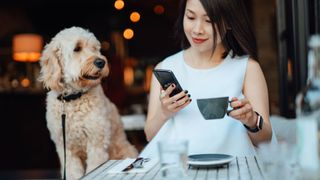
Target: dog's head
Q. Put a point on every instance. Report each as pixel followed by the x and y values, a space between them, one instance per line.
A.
pixel 72 61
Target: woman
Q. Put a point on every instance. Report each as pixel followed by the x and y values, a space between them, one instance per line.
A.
pixel 218 59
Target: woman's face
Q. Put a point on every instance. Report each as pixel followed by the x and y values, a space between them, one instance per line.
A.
pixel 198 27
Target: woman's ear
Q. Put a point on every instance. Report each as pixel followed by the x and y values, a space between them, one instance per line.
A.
pixel 51 70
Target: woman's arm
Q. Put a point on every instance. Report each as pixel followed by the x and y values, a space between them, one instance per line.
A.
pixel 155 119
pixel 161 109
pixel 256 99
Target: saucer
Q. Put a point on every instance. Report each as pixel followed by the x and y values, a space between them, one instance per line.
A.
pixel 209 160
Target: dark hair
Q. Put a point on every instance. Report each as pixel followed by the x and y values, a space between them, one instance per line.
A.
pixel 233 26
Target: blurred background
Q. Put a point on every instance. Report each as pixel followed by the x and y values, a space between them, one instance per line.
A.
pixel 135 35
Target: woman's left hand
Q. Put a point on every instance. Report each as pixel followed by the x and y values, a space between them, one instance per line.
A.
pixel 242 111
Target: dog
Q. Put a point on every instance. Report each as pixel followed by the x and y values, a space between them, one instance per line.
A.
pixel 72 68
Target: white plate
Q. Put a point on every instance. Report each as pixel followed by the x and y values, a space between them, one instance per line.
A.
pixel 209 160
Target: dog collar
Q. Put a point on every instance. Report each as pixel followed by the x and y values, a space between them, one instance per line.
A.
pixel 70 97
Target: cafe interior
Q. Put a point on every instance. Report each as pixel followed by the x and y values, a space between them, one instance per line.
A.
pixel 135 35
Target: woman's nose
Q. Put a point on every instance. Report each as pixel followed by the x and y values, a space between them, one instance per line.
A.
pixel 198 27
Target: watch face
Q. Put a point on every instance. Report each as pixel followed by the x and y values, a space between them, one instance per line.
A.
pixel 258 125
pixel 260 120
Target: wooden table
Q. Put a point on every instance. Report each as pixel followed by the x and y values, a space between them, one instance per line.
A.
pixel 240 168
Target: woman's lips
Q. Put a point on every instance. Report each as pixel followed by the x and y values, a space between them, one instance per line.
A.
pixel 198 40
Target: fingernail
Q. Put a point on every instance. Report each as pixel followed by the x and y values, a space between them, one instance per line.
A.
pixel 190 100
pixel 186 91
pixel 189 95
pixel 172 85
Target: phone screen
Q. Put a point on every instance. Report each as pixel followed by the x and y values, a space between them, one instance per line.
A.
pixel 166 78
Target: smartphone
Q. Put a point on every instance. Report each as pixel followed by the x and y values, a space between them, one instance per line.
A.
pixel 166 78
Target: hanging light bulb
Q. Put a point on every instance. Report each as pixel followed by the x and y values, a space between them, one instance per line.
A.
pixel 128 33
pixel 135 16
pixel 119 4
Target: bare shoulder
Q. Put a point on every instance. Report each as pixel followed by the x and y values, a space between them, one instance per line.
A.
pixel 253 65
pixel 254 73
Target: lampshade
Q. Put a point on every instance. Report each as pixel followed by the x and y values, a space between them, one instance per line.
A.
pixel 27 47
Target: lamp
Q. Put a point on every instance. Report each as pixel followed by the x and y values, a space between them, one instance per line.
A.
pixel 27 47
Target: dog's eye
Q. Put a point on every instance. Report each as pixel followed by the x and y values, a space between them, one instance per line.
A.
pixel 77 49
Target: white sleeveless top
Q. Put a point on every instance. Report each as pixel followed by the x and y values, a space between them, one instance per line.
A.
pixel 227 135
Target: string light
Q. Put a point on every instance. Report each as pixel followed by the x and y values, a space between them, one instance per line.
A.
pixel 128 33
pixel 119 4
pixel 158 9
pixel 135 16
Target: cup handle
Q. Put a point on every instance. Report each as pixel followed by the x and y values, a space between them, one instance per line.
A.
pixel 228 111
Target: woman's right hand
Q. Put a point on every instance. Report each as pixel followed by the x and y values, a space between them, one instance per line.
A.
pixel 171 105
pixel 162 107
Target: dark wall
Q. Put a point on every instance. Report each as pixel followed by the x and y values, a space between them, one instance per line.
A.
pixel 24 137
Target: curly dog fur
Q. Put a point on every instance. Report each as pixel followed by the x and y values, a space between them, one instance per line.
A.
pixel 72 63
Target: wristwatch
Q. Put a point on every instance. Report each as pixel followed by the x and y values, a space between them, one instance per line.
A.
pixel 258 125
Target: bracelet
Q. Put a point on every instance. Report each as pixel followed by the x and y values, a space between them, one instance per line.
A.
pixel 258 124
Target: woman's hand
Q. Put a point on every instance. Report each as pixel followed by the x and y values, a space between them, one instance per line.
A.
pixel 242 111
pixel 171 105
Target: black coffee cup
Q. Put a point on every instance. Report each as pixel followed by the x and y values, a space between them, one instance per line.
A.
pixel 213 108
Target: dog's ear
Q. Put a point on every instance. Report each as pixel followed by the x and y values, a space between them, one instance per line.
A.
pixel 51 71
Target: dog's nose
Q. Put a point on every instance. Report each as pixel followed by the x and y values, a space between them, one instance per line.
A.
pixel 99 63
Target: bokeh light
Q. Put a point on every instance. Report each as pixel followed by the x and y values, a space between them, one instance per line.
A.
pixel 158 9
pixel 25 82
pixel 105 45
pixel 119 4
pixel 128 33
pixel 135 16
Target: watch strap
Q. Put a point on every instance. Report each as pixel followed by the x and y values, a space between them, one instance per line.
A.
pixel 258 124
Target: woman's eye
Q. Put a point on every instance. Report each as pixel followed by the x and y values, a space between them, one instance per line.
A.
pixel 77 49
pixel 190 17
pixel 208 21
